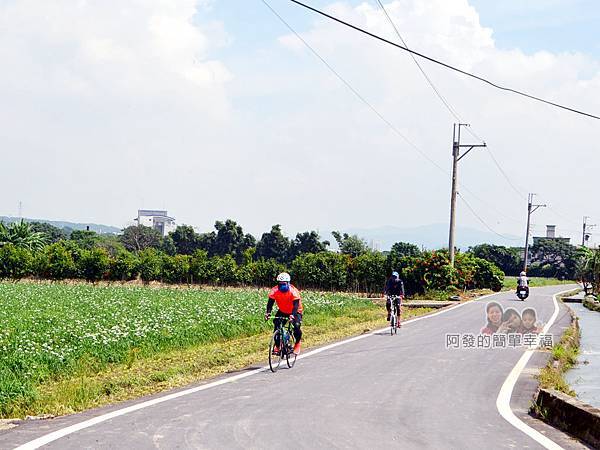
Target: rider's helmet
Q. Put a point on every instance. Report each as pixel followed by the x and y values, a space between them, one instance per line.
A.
pixel 523 274
pixel 283 281
pixel 395 275
pixel 284 277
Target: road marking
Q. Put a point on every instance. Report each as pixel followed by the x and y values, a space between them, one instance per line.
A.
pixel 503 400
pixel 55 435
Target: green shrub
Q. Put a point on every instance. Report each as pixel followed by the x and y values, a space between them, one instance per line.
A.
pixel 260 273
pixel 222 270
pixel 150 265
pixel 15 262
pixel 200 267
pixel 369 272
pixel 488 275
pixel 55 262
pixel 176 269
pixel 123 267
pixel 324 270
pixel 93 265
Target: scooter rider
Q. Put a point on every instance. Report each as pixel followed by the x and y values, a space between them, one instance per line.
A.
pixel 523 282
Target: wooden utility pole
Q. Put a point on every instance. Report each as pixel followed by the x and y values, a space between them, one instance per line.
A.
pixel 456 157
pixel 531 208
pixel 586 234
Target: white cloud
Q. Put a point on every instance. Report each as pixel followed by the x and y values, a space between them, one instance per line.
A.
pixel 111 106
pixel 541 148
pixel 105 100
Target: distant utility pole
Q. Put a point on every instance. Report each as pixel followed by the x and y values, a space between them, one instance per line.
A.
pixel 456 157
pixel 20 209
pixel 586 235
pixel 531 208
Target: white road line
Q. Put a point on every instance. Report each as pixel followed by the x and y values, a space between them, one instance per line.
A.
pixel 55 435
pixel 503 400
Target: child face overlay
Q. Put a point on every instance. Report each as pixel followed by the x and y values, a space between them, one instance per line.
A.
pixel 513 320
pixel 528 320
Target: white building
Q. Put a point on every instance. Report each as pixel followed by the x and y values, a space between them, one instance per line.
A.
pixel 157 219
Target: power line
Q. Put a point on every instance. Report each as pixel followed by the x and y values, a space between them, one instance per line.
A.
pixel 497 164
pixel 483 222
pixel 450 109
pixel 464 188
pixel 562 216
pixel 448 66
pixel 440 96
pixel 354 91
pixel 437 92
pixel 373 109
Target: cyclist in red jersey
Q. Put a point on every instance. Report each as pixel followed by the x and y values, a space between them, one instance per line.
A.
pixel 289 304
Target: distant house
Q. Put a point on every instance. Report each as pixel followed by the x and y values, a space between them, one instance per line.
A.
pixel 551 234
pixel 157 219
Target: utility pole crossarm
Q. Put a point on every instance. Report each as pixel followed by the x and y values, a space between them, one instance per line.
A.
pixel 470 148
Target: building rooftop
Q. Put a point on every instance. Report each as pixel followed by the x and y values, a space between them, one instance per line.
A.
pixel 152 212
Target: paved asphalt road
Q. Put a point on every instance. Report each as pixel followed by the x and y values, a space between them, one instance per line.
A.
pixel 405 391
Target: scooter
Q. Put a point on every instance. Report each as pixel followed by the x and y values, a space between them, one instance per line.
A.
pixel 522 292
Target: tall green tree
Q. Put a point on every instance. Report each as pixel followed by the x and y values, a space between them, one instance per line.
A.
pixel 53 234
pixel 273 245
pixel 508 259
pixel 231 240
pixel 206 242
pixel 307 242
pixel 139 237
pixel 350 245
pixel 186 240
pixel 555 258
pixel 400 256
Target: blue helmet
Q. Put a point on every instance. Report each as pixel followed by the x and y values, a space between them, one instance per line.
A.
pixel 395 274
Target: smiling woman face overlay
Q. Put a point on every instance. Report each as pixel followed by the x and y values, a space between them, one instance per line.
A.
pixel 494 315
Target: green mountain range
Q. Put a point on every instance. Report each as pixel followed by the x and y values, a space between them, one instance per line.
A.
pixel 98 228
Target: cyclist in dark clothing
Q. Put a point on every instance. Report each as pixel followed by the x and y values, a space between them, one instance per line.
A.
pixel 394 287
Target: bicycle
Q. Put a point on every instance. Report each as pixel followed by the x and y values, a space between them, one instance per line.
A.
pixel 284 334
pixel 394 313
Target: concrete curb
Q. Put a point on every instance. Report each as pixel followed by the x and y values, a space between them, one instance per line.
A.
pixel 570 415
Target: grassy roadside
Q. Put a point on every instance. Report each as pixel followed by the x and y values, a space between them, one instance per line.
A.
pixel 564 356
pixel 92 387
pixel 591 304
pixel 511 282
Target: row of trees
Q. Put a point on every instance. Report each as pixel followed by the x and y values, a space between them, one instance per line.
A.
pixel 550 258
pixel 365 272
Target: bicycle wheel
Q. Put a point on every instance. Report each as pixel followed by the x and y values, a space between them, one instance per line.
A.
pixel 275 359
pixel 392 322
pixel 290 356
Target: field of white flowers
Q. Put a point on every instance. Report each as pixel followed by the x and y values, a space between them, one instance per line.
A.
pixel 48 330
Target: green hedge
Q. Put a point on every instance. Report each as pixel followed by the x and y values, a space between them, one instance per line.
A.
pixel 324 270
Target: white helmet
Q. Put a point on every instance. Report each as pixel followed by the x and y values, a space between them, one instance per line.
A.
pixel 523 274
pixel 283 276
